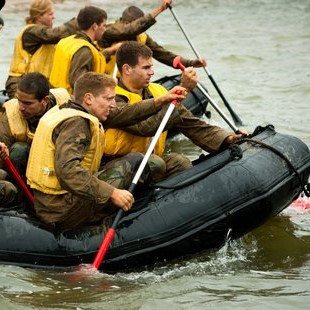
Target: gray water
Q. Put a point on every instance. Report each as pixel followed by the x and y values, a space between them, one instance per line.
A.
pixel 258 53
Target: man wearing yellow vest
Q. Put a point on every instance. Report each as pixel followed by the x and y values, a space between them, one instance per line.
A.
pixel 78 53
pixel 19 120
pixel 66 154
pixel 134 62
pixel 161 54
pixel 34 46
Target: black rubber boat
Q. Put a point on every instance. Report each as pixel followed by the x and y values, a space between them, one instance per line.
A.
pixel 227 194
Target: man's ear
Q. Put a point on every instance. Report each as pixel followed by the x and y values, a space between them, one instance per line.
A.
pixel 126 69
pixel 94 26
pixel 45 101
pixel 88 98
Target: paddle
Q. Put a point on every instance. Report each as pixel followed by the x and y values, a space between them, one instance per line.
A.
pixel 235 117
pixel 111 231
pixel 8 163
pixel 178 65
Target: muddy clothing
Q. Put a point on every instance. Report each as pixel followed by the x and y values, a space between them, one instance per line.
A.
pixel 82 61
pixel 33 38
pixel 17 154
pixel 87 200
pixel 209 138
pixel 206 136
pixel 119 32
pixel 8 192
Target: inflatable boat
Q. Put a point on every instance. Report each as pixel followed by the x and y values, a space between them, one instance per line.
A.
pixel 224 196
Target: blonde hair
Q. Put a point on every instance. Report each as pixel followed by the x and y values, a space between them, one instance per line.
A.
pixel 38 8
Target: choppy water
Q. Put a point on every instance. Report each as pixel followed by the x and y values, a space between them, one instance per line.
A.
pixel 258 52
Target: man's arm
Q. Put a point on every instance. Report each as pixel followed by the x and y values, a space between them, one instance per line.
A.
pixel 72 139
pixel 34 37
pixel 166 57
pixel 127 114
pixel 120 31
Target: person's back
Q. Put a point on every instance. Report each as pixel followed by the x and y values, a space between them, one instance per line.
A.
pixel 78 54
pixel 35 44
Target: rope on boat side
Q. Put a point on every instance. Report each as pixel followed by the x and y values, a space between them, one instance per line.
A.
pixel 304 187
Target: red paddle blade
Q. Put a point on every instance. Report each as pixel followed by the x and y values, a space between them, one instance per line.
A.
pixel 103 248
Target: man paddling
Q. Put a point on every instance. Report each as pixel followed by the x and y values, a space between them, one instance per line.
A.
pixel 134 61
pixel 161 54
pixel 69 192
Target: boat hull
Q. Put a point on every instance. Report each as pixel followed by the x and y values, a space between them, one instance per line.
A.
pixel 224 195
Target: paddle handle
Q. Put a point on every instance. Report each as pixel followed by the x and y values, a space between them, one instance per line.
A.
pixel 178 64
pixel 111 231
pixel 233 114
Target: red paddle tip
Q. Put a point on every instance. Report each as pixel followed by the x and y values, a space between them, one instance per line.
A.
pixel 177 64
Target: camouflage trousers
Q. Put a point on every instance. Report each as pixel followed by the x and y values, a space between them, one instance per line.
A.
pixel 19 153
pixel 8 192
pixel 162 167
pixel 120 172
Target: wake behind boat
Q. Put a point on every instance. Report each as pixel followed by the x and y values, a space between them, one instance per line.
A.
pixel 229 193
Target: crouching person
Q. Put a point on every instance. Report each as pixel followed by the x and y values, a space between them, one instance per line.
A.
pixel 65 156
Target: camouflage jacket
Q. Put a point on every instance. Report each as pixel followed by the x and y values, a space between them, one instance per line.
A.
pixel 33 37
pixel 120 31
pixel 208 137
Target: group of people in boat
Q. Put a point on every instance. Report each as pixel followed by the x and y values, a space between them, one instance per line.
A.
pixel 74 131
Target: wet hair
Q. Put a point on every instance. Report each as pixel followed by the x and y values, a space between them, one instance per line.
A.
pixel 131 13
pixel 34 83
pixel 91 82
pixel 129 53
pixel 90 15
pixel 38 8
pixel 2 3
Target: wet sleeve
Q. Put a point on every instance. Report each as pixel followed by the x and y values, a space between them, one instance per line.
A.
pixel 163 55
pixel 34 37
pixel 72 139
pixel 204 135
pixel 119 31
pixel 127 114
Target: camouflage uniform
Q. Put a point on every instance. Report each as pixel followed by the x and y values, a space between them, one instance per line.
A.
pixel 88 198
pixel 8 192
pixel 120 31
pixel 33 38
pixel 208 137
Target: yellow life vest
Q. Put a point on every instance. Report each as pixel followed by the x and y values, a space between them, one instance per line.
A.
pixel 120 142
pixel 109 69
pixel 65 50
pixel 18 125
pixel 41 169
pixel 24 62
